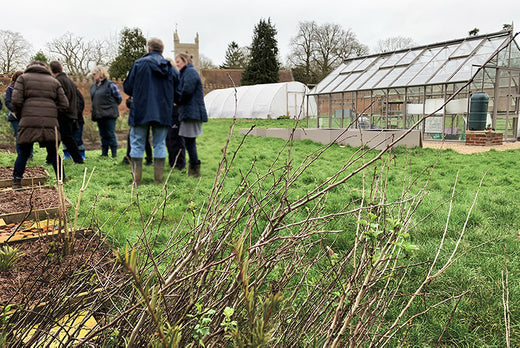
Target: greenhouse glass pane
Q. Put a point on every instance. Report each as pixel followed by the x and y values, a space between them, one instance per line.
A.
pixel 388 79
pixel 345 84
pixel 325 82
pixel 408 74
pixel 489 47
pixel 364 63
pixel 447 70
pixel 465 48
pixel 410 56
pixel 468 69
pixel 368 74
pixel 439 60
pixel 393 60
pixel 346 67
pixel 375 78
pixel 331 87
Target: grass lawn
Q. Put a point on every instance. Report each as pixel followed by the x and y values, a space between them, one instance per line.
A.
pixel 489 249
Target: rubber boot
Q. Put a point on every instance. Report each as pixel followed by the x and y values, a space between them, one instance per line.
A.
pixel 137 170
pixel 82 153
pixel 104 150
pixel 194 170
pixel 17 183
pixel 158 170
pixel 66 155
pixel 113 149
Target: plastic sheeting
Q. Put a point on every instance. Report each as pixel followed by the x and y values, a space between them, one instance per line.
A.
pixel 269 101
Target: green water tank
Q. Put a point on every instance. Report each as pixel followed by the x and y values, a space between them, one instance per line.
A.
pixel 478 109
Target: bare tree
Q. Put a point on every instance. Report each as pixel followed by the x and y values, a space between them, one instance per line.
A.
pixel 78 55
pixel 394 43
pixel 14 51
pixel 206 63
pixel 318 49
pixel 302 51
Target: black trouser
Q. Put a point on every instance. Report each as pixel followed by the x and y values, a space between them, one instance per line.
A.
pixel 147 146
pixel 67 137
pixel 25 153
pixel 175 147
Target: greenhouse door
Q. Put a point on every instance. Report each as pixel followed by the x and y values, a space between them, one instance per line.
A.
pixel 506 105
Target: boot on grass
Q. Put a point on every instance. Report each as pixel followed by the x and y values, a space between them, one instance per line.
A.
pixel 158 170
pixel 137 171
pixel 194 170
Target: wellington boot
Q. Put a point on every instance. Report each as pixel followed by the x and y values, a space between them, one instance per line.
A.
pixel 158 170
pixel 194 170
pixel 137 170
pixel 17 183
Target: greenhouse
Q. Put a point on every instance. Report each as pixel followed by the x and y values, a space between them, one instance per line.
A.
pixel 272 100
pixel 395 90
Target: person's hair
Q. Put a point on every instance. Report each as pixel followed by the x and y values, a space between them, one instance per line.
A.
pixel 184 57
pixel 40 63
pixel 155 44
pixel 56 67
pixel 16 74
pixel 172 62
pixel 102 71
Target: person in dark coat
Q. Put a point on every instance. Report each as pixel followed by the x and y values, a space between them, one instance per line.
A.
pixel 11 117
pixel 192 111
pixel 68 119
pixel 37 97
pixel 78 133
pixel 151 82
pixel 175 143
pixel 106 97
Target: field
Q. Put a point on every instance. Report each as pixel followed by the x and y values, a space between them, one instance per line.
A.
pixel 311 245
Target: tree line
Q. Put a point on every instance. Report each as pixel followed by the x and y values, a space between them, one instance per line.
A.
pixel 315 51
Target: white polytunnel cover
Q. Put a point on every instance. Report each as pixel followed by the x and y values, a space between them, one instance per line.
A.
pixel 259 101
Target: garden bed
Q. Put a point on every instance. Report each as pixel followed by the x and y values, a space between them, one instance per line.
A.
pixel 43 267
pixel 32 176
pixel 37 203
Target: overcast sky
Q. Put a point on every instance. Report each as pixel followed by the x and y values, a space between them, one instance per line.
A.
pixel 222 21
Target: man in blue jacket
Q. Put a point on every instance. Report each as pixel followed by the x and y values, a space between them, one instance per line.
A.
pixel 152 83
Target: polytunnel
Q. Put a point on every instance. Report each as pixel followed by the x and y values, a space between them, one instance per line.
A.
pixel 270 101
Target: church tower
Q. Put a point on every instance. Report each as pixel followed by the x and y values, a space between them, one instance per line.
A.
pixel 191 49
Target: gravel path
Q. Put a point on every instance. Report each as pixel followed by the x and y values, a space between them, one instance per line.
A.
pixel 467 149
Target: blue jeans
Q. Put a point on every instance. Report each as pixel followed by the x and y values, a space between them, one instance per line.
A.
pixel 107 132
pixel 138 140
pixel 25 153
pixel 15 124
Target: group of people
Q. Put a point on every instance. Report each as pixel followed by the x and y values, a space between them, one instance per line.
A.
pixel 170 104
pixel 46 107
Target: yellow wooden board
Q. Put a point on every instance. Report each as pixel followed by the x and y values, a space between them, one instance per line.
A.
pixel 64 327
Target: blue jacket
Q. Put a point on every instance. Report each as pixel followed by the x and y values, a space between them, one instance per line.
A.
pixel 8 97
pixel 151 82
pixel 191 96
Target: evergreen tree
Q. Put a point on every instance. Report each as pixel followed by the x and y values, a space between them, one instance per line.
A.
pixel 132 46
pixel 235 57
pixel 263 66
pixel 40 56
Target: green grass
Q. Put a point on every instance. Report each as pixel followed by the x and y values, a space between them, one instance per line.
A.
pixel 109 205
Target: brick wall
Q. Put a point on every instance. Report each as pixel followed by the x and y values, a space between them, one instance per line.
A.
pixel 84 87
pixel 483 138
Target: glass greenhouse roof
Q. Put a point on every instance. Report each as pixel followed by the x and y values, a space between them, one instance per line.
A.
pixel 448 62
